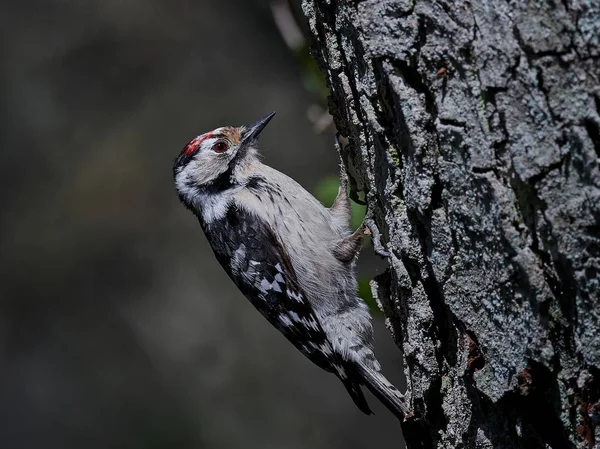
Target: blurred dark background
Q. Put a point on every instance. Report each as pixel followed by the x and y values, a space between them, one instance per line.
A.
pixel 118 329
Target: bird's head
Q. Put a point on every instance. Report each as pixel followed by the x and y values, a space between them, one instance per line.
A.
pixel 208 162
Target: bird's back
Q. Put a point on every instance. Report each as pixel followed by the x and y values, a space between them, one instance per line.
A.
pixel 307 232
pixel 305 229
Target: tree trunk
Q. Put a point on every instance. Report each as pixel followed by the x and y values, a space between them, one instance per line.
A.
pixel 474 133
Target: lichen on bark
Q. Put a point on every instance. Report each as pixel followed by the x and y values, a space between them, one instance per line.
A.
pixel 475 134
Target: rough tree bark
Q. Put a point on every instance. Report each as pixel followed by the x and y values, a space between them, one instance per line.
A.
pixel 474 130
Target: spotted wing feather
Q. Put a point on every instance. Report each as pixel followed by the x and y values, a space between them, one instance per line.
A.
pixel 261 268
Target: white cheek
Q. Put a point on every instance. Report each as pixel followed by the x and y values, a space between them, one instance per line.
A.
pixel 207 166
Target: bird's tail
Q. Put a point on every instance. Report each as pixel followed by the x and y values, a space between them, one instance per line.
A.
pixel 383 390
pixel 357 396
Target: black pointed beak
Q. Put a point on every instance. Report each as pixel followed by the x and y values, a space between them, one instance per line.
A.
pixel 255 129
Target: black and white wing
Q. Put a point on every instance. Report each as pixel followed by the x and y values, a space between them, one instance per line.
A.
pixel 257 262
pixel 260 267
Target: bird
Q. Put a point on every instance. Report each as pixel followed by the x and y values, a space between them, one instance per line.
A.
pixel 289 255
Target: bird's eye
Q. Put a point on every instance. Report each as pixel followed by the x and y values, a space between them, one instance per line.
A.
pixel 220 147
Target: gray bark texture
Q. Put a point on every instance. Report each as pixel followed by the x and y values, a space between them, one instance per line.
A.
pixel 474 135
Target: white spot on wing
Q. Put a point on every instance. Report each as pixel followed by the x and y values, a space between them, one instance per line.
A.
pixel 310 323
pixel 285 320
pixel 237 260
pixel 325 349
pixel 293 295
pixel 265 285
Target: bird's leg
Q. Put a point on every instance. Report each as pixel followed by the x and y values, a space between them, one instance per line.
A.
pixel 347 249
pixel 341 210
pixel 350 246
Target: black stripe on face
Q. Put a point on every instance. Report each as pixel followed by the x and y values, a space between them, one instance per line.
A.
pixel 221 183
pixel 181 161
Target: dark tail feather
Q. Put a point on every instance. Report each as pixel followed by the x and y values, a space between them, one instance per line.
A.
pixel 387 393
pixel 357 396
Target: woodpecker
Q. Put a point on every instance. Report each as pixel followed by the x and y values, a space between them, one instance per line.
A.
pixel 291 257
